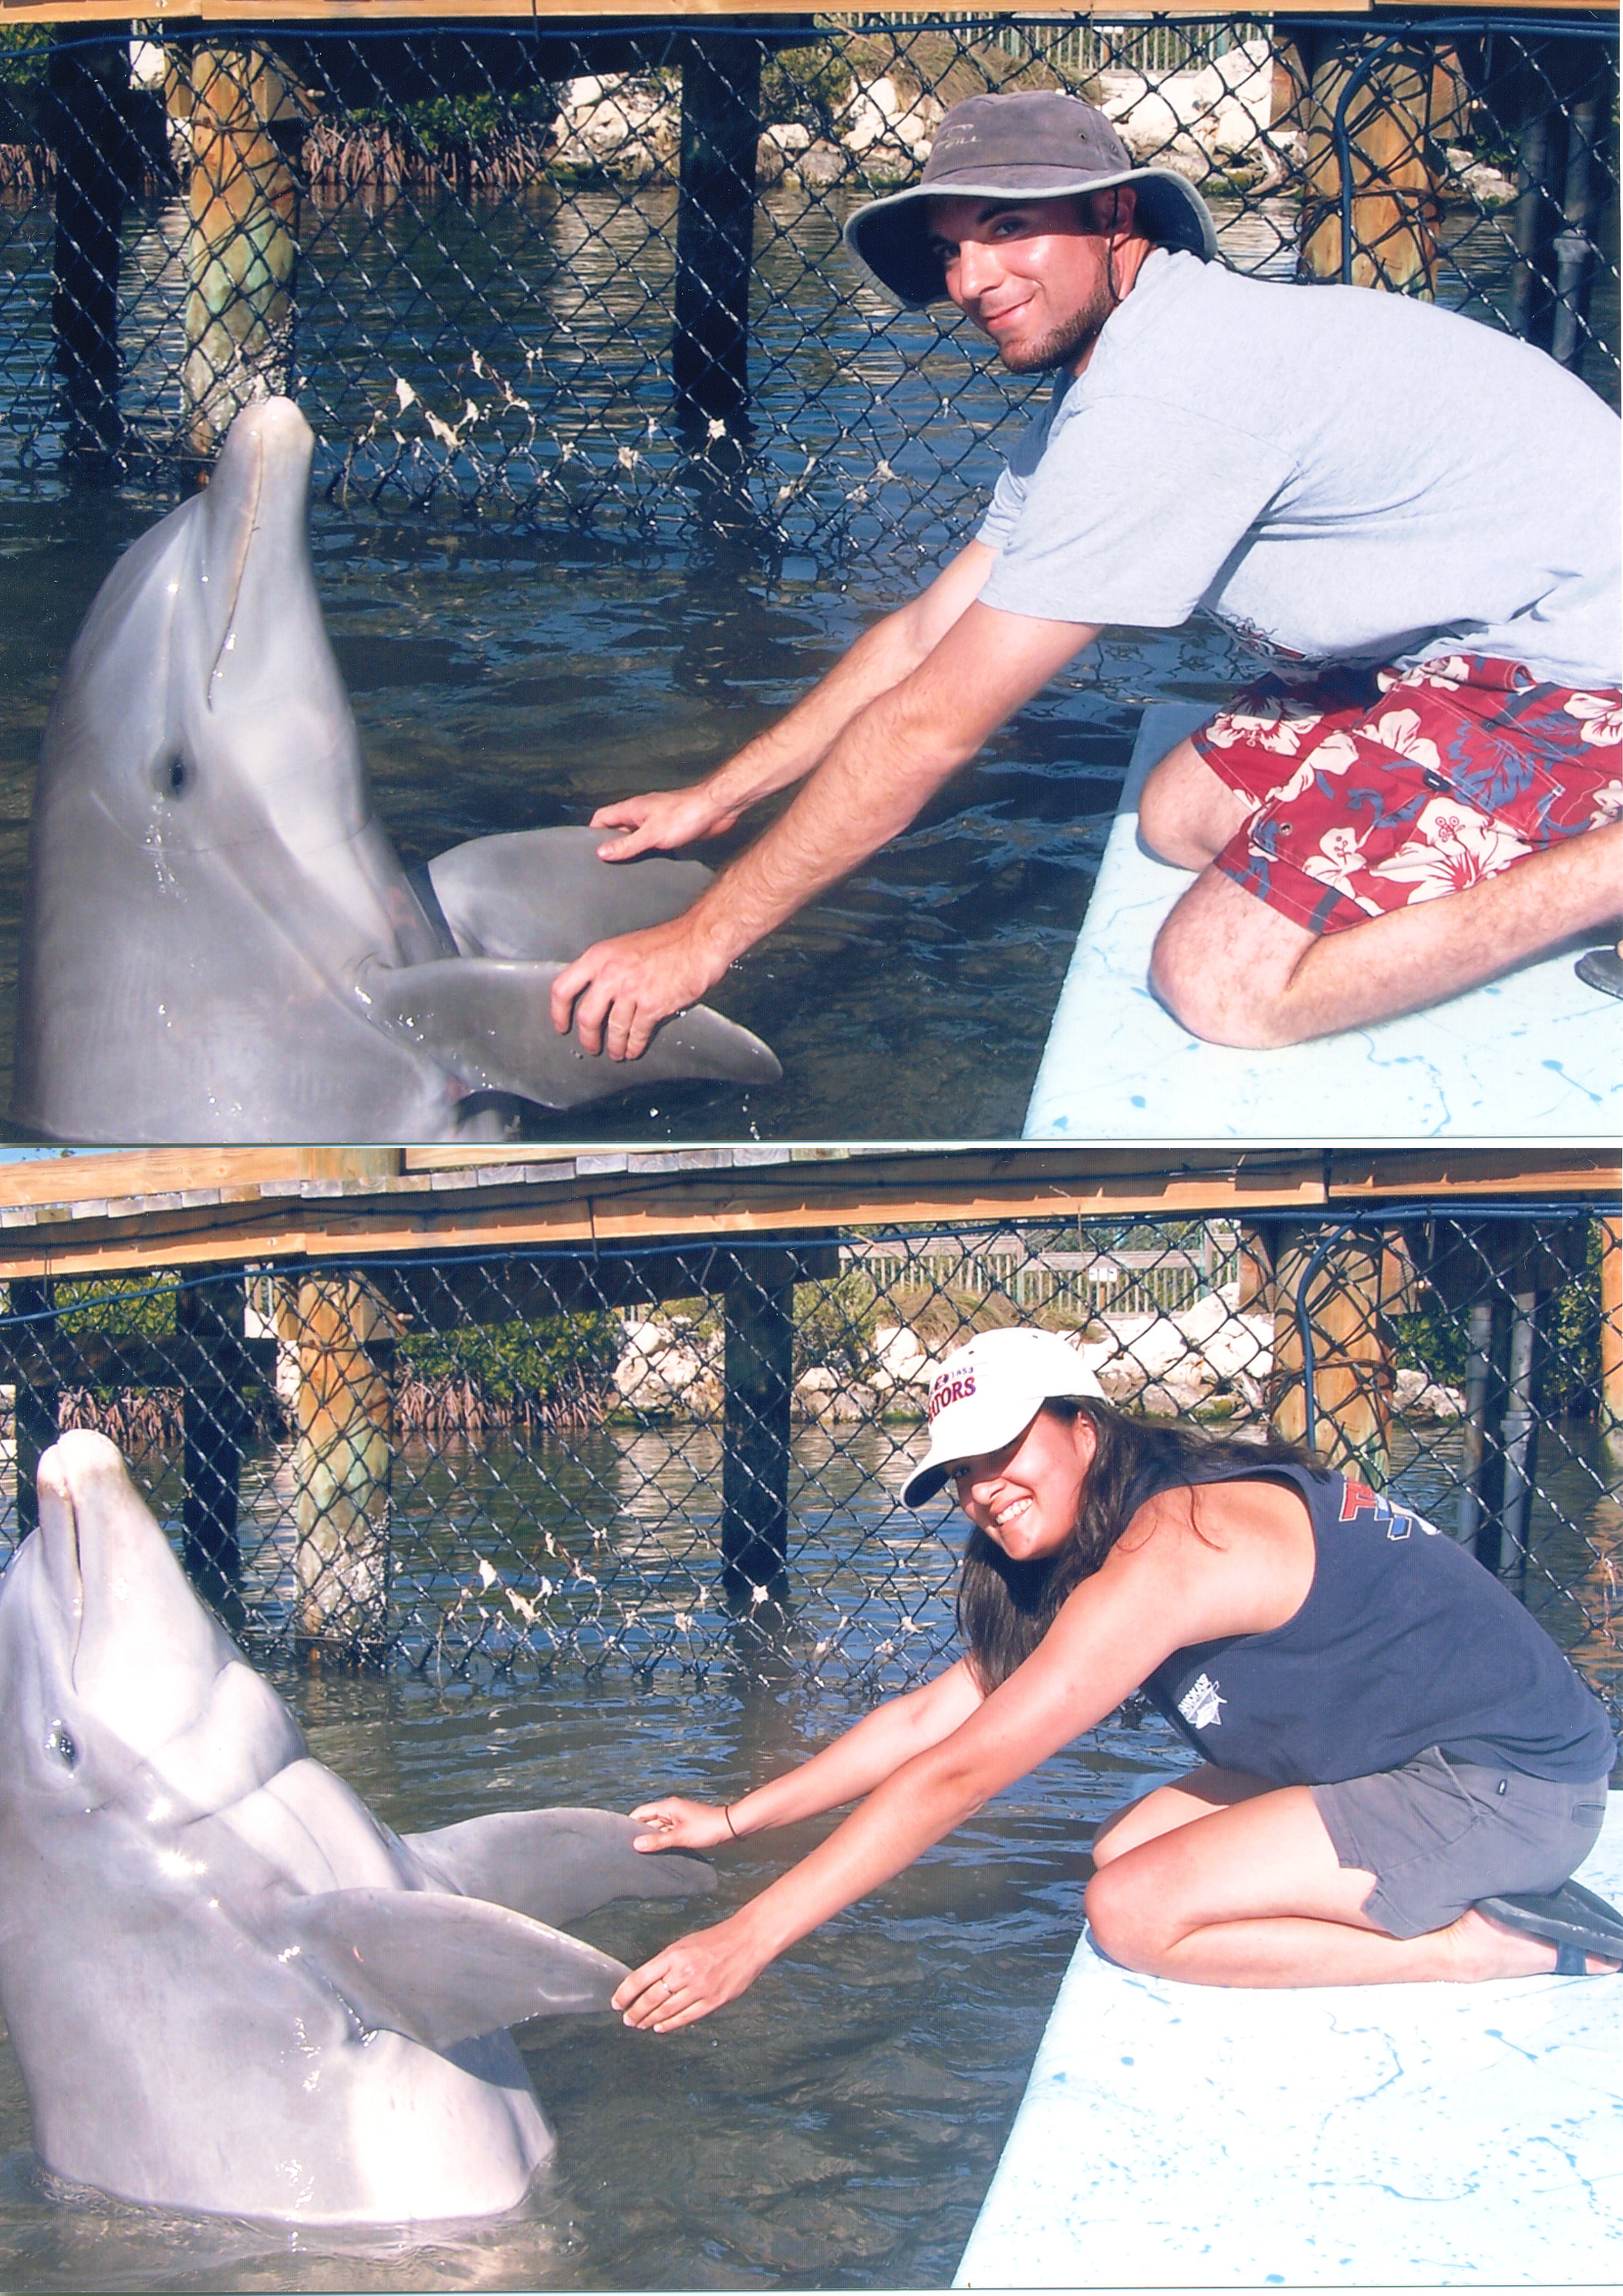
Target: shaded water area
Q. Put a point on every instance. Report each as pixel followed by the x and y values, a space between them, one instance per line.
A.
pixel 839 2125
pixel 516 661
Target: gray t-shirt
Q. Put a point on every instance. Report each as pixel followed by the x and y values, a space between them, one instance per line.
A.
pixel 1336 474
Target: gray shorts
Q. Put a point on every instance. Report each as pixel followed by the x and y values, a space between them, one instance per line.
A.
pixel 1440 1834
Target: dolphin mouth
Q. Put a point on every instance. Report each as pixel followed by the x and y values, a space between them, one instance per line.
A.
pixel 247 527
pixel 256 501
pixel 59 1537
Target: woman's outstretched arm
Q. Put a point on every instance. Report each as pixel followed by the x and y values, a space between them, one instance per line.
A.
pixel 1166 1585
pixel 861 1759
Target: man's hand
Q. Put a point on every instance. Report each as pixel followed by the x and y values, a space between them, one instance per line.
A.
pixel 689 1979
pixel 662 821
pixel 616 994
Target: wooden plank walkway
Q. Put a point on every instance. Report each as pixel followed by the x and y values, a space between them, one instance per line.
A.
pixel 1534 1057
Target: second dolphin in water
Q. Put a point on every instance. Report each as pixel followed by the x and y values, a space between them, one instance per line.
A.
pixel 219 942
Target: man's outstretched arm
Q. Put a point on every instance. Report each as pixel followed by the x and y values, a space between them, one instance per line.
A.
pixel 892 757
pixel 788 751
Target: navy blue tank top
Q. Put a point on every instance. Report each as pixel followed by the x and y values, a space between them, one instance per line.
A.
pixel 1404 1641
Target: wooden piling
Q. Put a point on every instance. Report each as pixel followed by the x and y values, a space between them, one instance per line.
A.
pixel 343 1458
pixel 88 87
pixel 1377 112
pixel 36 1397
pixel 759 1370
pixel 721 79
pixel 1612 1330
pixel 1339 1288
pixel 242 242
pixel 1564 93
pixel 215 1413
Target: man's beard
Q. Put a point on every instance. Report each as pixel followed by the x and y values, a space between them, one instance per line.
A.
pixel 1066 344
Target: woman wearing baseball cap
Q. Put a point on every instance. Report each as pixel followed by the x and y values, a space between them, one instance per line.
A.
pixel 1398 1771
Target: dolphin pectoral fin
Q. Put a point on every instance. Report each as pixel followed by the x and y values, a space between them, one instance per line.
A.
pixel 545 893
pixel 442 1970
pixel 555 1865
pixel 486 1019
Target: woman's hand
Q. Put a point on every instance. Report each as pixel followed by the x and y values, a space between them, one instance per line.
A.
pixel 662 821
pixel 686 1980
pixel 674 1823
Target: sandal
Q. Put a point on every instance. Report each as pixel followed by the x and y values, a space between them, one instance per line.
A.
pixel 1572 1919
pixel 1602 968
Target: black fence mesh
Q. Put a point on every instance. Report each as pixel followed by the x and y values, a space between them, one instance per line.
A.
pixel 598 275
pixel 689 1456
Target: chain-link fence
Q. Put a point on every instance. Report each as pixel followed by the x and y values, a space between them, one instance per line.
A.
pixel 597 274
pixel 688 1456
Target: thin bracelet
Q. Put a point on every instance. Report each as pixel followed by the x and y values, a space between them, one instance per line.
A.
pixel 727 1812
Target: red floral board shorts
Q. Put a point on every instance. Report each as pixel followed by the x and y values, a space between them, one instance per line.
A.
pixel 1371 789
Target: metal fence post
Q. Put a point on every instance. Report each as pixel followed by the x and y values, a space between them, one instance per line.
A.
pixel 759 1370
pixel 721 84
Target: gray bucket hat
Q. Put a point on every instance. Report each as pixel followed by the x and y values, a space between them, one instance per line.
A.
pixel 1035 145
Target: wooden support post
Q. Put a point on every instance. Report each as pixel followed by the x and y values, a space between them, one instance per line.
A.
pixel 341 1472
pixel 37 1399
pixel 721 80
pixel 758 1369
pixel 1372 210
pixel 242 247
pixel 1340 1286
pixel 215 1416
pixel 1519 1428
pixel 89 134
pixel 1482 1480
pixel 1611 1331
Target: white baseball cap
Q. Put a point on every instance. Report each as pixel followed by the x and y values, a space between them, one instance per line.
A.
pixel 987 1393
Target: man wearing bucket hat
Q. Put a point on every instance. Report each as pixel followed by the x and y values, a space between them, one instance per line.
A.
pixel 1397 1770
pixel 1413 519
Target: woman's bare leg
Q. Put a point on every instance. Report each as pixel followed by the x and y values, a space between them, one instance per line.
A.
pixel 1252 1894
pixel 1196 1794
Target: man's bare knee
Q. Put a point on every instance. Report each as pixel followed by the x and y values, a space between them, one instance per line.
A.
pixel 1213 998
pixel 1222 964
pixel 1186 814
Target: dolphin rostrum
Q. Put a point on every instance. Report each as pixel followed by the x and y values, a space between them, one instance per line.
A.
pixel 229 1988
pixel 219 942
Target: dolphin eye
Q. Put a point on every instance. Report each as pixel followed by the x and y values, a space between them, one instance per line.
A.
pixel 60 1743
pixel 172 776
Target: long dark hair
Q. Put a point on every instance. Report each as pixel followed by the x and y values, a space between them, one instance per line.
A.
pixel 1005 1608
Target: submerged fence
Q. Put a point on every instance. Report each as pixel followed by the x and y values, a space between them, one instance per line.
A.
pixel 688 1456
pixel 596 273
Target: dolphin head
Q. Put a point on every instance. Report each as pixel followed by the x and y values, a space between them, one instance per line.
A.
pixel 201 691
pixel 111 1668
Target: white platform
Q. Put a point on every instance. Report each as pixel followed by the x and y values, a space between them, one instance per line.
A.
pixel 1401 2136
pixel 1535 1055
